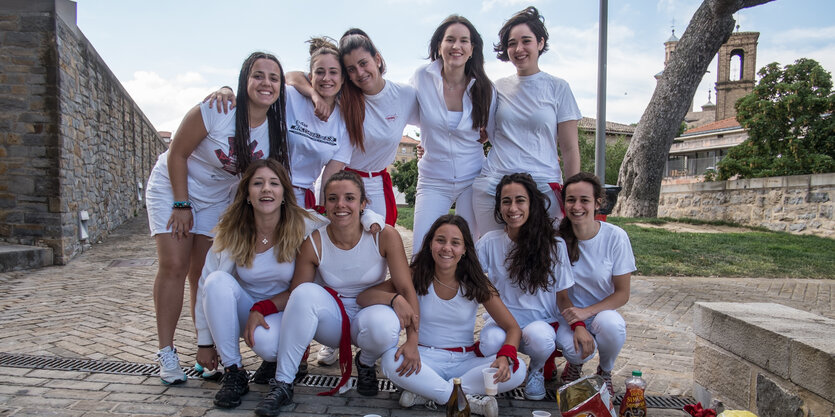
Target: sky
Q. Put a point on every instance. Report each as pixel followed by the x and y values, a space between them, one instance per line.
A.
pixel 170 54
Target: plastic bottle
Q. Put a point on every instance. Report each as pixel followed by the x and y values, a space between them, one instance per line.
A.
pixel 457 406
pixel 633 403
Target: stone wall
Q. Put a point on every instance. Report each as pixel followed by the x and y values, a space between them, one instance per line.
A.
pixel 71 138
pixel 800 204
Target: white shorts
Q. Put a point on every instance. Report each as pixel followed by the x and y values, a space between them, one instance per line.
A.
pixel 159 201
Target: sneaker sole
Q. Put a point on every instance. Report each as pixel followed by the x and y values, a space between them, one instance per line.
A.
pixel 534 397
pixel 273 413
pixel 327 362
pixel 174 382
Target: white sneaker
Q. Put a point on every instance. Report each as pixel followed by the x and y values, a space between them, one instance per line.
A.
pixel 484 405
pixel 207 374
pixel 535 385
pixel 327 355
pixel 170 371
pixel 410 399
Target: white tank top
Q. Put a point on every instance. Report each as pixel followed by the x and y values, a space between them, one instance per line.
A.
pixel 446 323
pixel 350 272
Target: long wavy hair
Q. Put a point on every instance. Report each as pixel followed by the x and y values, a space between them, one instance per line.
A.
pixel 468 273
pixel 481 93
pixel 529 16
pixel 566 231
pixel 275 118
pixel 236 232
pixel 530 263
pixel 352 101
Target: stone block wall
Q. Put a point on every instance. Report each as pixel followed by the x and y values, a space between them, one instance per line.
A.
pixel 71 138
pixel 764 357
pixel 800 204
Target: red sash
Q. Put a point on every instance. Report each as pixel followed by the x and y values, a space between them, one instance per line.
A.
pixel 388 192
pixel 345 355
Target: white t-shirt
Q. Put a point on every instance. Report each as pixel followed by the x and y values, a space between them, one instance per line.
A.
pixel 452 153
pixel 386 115
pixel 311 142
pixel 211 166
pixel 529 110
pixel 446 323
pixel 526 308
pixel 607 254
pixel 267 277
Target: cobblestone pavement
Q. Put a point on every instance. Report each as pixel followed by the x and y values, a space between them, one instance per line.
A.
pixel 94 309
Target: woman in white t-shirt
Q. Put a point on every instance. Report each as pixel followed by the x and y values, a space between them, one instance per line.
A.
pixel 457 104
pixel 529 266
pixel 536 114
pixel 245 282
pixel 313 142
pixel 192 182
pixel 602 261
pixel 450 285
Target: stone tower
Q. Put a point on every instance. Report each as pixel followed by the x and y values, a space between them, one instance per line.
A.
pixel 731 87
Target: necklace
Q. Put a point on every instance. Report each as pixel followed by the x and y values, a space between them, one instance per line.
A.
pixel 265 240
pixel 444 285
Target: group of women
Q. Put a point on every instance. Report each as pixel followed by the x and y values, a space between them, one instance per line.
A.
pixel 263 265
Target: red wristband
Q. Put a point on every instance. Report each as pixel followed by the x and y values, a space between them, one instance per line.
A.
pixel 319 209
pixel 265 307
pixel 510 352
pixel 580 323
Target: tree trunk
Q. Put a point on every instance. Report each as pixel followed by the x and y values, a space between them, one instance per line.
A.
pixel 643 166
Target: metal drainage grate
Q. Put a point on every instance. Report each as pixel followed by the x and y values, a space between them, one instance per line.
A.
pixel 311 380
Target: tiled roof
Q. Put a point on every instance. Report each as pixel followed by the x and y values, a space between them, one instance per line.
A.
pixel 730 123
pixel 406 140
pixel 587 123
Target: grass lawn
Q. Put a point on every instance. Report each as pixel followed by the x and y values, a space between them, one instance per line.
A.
pixel 406 216
pixel 757 253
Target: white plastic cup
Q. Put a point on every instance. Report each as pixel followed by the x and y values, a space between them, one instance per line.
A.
pixel 539 413
pixel 490 385
pixel 375 415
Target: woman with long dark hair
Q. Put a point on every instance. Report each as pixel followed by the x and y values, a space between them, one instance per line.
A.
pixel 191 183
pixel 246 279
pixel 536 116
pixel 457 103
pixel 602 261
pixel 450 285
pixel 529 266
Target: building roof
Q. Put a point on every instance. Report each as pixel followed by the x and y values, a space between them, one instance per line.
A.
pixel 590 124
pixel 726 124
pixel 673 37
pixel 406 140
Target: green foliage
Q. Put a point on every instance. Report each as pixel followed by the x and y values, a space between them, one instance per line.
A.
pixel 614 156
pixel 790 122
pixel 404 177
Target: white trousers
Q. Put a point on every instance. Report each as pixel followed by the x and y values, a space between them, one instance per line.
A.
pixel 374 194
pixel 434 198
pixel 312 313
pixel 227 309
pixel 538 341
pixel 484 203
pixel 439 367
pixel 609 331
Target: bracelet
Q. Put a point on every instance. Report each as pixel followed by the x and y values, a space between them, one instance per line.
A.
pixel 182 205
pixel 391 303
pixel 574 326
pixel 206 346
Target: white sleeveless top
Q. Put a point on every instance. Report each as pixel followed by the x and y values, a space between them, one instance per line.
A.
pixel 446 323
pixel 267 277
pixel 350 272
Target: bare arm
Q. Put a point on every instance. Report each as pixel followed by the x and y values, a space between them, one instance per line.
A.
pixel 302 84
pixel 190 133
pixel 224 99
pixel 332 167
pixel 568 143
pixel 614 301
pixel 391 247
pixel 306 261
pixel 513 334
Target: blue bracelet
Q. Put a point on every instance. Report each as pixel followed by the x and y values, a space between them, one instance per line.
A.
pixel 182 205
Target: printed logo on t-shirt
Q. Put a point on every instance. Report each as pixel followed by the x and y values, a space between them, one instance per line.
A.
pixel 230 162
pixel 391 117
pixel 301 128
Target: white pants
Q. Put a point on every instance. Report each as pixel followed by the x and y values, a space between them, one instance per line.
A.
pixel 374 194
pixel 609 331
pixel 484 204
pixel 439 367
pixel 227 309
pixel 434 198
pixel 312 313
pixel 538 341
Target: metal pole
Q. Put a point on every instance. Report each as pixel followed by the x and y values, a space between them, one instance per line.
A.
pixel 600 132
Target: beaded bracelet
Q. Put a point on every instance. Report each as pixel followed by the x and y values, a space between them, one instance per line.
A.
pixel 182 205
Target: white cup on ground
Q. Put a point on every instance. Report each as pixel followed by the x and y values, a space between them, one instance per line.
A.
pixel 375 415
pixel 490 385
pixel 539 413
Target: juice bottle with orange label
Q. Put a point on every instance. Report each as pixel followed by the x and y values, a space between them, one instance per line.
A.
pixel 633 404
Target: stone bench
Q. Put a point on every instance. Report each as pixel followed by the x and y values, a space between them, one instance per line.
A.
pixel 767 358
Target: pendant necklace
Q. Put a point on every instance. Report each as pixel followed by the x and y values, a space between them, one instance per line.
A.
pixel 444 285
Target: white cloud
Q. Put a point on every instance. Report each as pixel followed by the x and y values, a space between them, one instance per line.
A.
pixel 806 35
pixel 488 5
pixel 165 101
